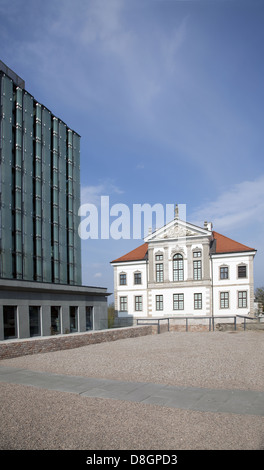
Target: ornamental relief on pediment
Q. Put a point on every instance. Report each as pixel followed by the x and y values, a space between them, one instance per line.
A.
pixel 177 232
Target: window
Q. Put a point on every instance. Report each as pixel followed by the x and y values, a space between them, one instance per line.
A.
pixel 224 299
pixel 159 302
pixel 197 301
pixel 197 254
pixel 89 318
pixel 73 319
pixel 224 272
pixel 34 320
pixel 10 322
pixel 159 257
pixel 122 279
pixel 178 267
pixel 55 320
pixel 242 299
pixel 137 278
pixel 242 271
pixel 159 272
pixel 178 301
pixel 138 303
pixel 123 304
pixel 197 270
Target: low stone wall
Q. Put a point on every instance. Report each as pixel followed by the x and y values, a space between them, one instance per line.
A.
pixel 23 347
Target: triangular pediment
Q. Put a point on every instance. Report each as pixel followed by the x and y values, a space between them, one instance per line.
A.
pixel 177 229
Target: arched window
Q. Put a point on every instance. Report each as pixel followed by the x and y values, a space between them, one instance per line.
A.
pixel 177 267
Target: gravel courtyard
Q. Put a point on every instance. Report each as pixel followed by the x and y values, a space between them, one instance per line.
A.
pixel 34 418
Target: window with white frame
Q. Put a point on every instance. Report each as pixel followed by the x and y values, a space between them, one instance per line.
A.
pixel 137 278
pixel 223 272
pixel 138 303
pixel 159 272
pixel 197 301
pixel 178 301
pixel 178 267
pixel 224 299
pixel 122 279
pixel 123 304
pixel 159 302
pixel 242 299
pixel 197 270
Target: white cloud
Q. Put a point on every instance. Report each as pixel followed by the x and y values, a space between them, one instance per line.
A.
pixel 92 194
pixel 238 207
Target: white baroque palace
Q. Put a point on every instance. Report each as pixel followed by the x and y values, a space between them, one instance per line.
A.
pixel 183 269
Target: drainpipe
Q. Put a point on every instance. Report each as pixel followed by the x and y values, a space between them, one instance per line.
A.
pixel 212 275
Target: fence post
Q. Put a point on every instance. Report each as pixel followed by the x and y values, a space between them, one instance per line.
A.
pixel 186 324
pixel 158 327
pixel 235 323
pixel 209 323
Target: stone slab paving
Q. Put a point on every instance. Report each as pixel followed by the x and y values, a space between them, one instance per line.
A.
pixel 188 398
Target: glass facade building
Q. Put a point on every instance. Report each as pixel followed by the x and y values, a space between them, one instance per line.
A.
pixel 41 290
pixel 39 188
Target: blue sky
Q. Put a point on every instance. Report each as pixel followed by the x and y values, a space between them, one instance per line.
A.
pixel 168 98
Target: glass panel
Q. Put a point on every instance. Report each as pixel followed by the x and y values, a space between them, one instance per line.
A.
pixel 38 131
pixel 18 238
pixel 38 112
pixel 10 322
pixel 34 321
pixel 38 206
pixel 55 320
pixel 89 318
pixel 55 125
pixel 71 255
pixel 18 157
pixel 73 319
pixel 55 233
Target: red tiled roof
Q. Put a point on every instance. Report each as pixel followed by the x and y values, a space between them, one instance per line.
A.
pixel 137 254
pixel 227 245
pixel 223 245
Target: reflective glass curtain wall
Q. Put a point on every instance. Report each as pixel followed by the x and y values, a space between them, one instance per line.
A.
pixel 39 190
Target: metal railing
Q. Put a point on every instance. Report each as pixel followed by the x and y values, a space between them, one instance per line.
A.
pixel 211 320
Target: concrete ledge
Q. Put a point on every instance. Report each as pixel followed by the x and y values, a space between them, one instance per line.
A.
pixel 24 347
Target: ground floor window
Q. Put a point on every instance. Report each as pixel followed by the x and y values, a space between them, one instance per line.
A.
pixel 34 320
pixel 178 301
pixel 197 301
pixel 138 303
pixel 159 302
pixel 55 320
pixel 89 318
pixel 123 304
pixel 224 300
pixel 10 322
pixel 73 319
pixel 242 299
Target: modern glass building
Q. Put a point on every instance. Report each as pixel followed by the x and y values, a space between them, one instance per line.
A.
pixel 40 198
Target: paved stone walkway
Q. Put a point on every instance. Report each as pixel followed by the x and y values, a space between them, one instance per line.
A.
pixel 190 398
